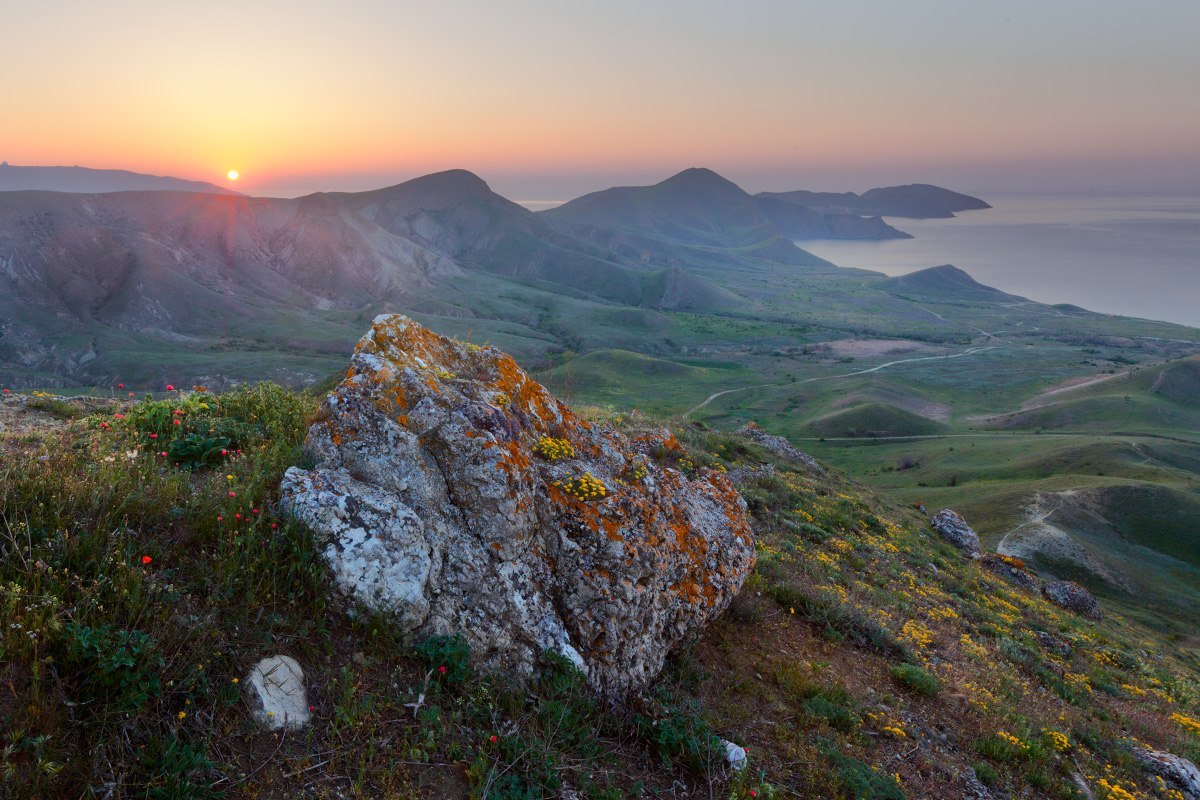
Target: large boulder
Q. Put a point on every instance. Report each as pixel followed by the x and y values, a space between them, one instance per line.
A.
pixel 1177 773
pixel 1073 597
pixel 454 493
pixel 954 529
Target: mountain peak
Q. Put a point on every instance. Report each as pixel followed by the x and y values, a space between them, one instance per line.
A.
pixel 701 179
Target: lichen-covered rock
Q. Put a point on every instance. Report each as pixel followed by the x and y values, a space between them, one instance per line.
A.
pixel 455 493
pixel 779 446
pixel 1010 569
pixel 1178 773
pixel 954 529
pixel 1073 597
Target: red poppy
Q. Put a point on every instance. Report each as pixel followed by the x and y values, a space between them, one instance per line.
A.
pixel 146 559
pixel 492 739
pixel 233 494
pixel 170 388
pixel 120 386
pixel 224 452
pixel 442 670
pixel 154 436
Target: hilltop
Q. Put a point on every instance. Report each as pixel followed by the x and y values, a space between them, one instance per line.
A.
pixel 93 181
pixel 915 201
pixel 699 206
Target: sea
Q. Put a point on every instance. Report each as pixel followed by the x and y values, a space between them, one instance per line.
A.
pixel 1136 255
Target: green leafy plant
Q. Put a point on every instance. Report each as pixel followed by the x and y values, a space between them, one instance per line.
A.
pixel 194 451
pixel 118 666
pixel 916 678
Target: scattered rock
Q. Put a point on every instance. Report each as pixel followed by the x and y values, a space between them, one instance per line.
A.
pixel 955 530
pixel 779 446
pixel 735 756
pixel 276 696
pixel 1179 773
pixel 1010 569
pixel 1053 643
pixel 456 494
pixel 1073 597
pixel 974 788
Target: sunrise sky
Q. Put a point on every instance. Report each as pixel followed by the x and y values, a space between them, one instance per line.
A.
pixel 551 99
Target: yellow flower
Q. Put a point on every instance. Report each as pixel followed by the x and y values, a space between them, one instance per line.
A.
pixel 182 714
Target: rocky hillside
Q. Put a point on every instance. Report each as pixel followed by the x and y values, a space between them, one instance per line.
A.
pixel 171 632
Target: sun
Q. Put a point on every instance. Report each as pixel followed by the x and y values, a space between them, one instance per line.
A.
pixel 232 175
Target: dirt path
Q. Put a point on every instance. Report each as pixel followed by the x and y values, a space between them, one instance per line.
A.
pixel 1036 400
pixel 968 352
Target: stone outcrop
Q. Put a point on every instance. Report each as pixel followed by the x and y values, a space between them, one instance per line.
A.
pixel 1073 597
pixel 779 446
pixel 456 494
pixel 954 529
pixel 1178 773
pixel 276 695
pixel 1010 569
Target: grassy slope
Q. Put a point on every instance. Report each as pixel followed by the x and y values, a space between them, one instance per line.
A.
pixel 129 680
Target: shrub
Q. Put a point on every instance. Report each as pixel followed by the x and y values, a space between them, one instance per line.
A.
pixel 451 652
pixel 120 667
pixel 915 678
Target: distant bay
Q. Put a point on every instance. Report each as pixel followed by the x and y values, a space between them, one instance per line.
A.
pixel 1130 254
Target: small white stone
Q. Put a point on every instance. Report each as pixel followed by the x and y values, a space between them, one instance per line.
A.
pixel 734 755
pixel 277 697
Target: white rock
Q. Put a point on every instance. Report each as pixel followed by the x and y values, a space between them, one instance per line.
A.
pixel 277 698
pixel 734 755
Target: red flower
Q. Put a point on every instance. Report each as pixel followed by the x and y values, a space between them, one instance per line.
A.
pixel 237 516
pixel 312 709
pixel 233 494
pixel 6 391
pixel 492 739
pixel 220 519
pixel 224 452
pixel 163 454
pixel 442 669
pixel 146 559
pixel 154 436
pixel 177 422
pixel 753 793
pixel 170 388
pixel 272 526
pixel 131 394
pixel 120 386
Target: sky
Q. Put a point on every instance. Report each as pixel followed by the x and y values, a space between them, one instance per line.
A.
pixel 547 100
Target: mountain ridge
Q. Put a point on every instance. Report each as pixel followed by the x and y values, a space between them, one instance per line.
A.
pixel 85 180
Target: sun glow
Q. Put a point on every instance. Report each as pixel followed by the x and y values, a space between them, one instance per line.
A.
pixel 232 175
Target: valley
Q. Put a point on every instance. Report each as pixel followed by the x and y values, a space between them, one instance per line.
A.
pixel 689 300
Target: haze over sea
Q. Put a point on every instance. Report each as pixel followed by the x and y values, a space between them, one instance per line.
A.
pixel 1131 254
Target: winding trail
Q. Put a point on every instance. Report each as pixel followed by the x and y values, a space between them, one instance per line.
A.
pixel 968 352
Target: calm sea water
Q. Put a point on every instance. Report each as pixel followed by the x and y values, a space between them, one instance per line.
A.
pixel 1135 255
